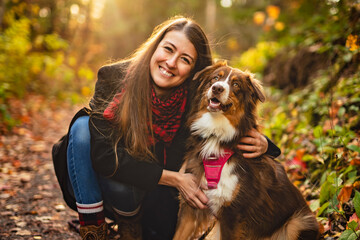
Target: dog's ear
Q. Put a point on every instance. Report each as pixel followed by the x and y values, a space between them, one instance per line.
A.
pixel 200 74
pixel 259 91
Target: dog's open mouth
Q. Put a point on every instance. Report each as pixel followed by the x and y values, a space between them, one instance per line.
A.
pixel 215 105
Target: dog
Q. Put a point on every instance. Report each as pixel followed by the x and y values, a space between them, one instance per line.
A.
pixel 248 198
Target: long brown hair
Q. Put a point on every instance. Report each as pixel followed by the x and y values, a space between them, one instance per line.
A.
pixel 134 114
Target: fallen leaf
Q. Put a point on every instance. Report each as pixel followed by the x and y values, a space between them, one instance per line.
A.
pixel 5 196
pixel 23 232
pixel 6 213
pixel 59 207
pixel 21 224
pixel 355 162
pixel 16 163
pixel 355 218
pixel 44 219
pixel 37 197
pixel 345 194
pixel 25 177
pixel 38 147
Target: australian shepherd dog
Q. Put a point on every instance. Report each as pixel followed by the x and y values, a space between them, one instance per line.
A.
pixel 248 198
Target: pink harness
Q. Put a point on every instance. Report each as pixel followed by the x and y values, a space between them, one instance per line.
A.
pixel 213 167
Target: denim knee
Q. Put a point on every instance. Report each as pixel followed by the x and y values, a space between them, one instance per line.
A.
pixel 80 131
pixel 81 173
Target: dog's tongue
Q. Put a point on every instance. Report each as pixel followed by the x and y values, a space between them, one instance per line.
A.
pixel 214 104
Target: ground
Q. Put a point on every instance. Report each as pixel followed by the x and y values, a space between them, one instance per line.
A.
pixel 30 198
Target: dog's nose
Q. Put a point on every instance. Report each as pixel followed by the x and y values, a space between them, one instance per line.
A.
pixel 217 89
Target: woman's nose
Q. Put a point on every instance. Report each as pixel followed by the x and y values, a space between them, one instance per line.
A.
pixel 171 62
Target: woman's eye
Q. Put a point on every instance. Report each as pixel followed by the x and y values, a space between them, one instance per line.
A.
pixel 169 49
pixel 186 60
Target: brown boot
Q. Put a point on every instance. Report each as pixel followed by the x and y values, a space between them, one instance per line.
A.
pixel 92 232
pixel 129 228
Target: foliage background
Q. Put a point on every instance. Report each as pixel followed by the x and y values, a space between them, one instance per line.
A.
pixel 305 52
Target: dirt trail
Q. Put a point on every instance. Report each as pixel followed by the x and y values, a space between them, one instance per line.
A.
pixel 30 198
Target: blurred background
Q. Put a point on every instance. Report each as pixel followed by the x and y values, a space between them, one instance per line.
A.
pixel 64 42
pixel 306 53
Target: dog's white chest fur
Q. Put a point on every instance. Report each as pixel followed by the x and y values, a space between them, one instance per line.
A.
pixel 225 188
pixel 214 124
pixel 216 128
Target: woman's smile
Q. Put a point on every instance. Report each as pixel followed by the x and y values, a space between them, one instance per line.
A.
pixel 165 72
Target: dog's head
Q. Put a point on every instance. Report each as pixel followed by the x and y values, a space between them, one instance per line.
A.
pixel 230 92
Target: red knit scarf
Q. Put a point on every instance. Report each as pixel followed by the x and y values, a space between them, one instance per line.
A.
pixel 166 114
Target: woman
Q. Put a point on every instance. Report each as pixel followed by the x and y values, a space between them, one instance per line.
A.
pixel 138 140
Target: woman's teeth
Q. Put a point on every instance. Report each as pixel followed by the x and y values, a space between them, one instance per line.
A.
pixel 163 71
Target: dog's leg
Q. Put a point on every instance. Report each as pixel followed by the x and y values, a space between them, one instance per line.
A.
pixel 186 223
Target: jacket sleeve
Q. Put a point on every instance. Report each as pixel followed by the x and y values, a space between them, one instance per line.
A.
pixel 272 150
pixel 123 168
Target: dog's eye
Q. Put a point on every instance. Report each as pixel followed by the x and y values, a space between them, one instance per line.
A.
pixel 214 79
pixel 236 85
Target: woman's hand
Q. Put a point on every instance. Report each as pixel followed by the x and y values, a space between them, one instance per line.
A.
pixel 255 144
pixel 187 186
pixel 191 191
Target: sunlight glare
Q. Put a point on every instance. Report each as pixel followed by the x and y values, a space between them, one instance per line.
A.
pixel 226 3
pixel 98 9
pixel 74 9
pixel 44 12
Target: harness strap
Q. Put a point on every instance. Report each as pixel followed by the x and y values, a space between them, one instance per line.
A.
pixel 213 167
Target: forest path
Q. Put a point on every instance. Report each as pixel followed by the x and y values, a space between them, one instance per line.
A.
pixel 31 202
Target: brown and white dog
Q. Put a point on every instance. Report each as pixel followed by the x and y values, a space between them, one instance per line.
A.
pixel 253 199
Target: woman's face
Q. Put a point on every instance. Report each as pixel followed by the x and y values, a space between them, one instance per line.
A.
pixel 172 62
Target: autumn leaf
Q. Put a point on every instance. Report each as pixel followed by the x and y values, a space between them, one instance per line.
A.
pixel 279 26
pixel 345 194
pixel 273 11
pixel 259 18
pixel 355 162
pixel 354 218
pixel 352 42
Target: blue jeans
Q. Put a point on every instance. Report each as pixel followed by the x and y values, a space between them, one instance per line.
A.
pixel 88 186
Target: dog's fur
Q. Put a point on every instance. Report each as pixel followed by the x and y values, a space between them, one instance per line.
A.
pixel 254 198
